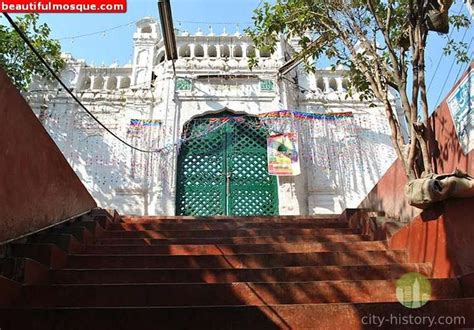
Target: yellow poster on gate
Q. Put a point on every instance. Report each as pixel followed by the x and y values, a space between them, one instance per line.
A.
pixel 283 156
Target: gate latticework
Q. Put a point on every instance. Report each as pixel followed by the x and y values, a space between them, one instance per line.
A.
pixel 222 168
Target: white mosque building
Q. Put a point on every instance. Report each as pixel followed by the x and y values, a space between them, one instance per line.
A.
pixel 205 128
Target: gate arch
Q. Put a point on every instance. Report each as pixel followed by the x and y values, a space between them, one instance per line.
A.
pixel 222 168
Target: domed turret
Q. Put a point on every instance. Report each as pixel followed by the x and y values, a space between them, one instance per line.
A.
pixel 147 28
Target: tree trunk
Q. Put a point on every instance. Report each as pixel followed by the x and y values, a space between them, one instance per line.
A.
pixel 429 136
pixel 396 137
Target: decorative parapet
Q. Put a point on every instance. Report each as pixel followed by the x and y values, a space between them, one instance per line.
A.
pixel 97 79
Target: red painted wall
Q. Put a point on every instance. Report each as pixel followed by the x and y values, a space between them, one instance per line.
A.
pixel 450 155
pixel 37 186
pixel 388 194
pixel 443 236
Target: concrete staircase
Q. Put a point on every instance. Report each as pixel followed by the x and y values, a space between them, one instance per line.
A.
pixel 104 271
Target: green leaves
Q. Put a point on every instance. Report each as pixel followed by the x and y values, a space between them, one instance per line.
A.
pixel 380 43
pixel 18 60
pixel 373 38
pixel 459 21
pixel 460 50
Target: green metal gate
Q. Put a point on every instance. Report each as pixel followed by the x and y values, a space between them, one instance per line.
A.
pixel 222 168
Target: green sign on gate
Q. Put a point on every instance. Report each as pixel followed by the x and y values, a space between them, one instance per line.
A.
pixel 222 168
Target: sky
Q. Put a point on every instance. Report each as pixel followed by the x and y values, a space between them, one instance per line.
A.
pixel 116 45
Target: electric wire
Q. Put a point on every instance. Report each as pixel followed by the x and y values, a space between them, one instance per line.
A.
pixel 449 72
pixel 54 74
pixel 96 32
pixel 214 23
pixel 46 64
pixel 467 64
pixel 58 79
pixel 297 85
pixel 133 22
pixel 442 55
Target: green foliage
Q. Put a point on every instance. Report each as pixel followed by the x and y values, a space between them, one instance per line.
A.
pixel 19 62
pixel 458 48
pixel 380 43
pixel 366 37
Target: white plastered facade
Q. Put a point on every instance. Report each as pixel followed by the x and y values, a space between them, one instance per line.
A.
pixel 212 74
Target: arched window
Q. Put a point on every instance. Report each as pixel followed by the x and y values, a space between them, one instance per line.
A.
pixel 237 51
pixel 265 53
pixel 86 84
pixel 142 57
pixel 345 85
pixel 251 51
pixel 198 51
pixel 160 58
pixel 225 51
pixel 146 29
pixel 320 84
pixel 212 51
pixel 125 82
pixel 333 84
pixel 98 83
pixel 112 83
pixel 140 77
pixel 185 51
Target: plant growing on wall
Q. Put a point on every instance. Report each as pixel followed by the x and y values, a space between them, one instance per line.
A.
pixel 18 61
pixel 382 44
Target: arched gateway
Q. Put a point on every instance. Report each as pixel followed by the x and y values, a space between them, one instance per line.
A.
pixel 222 168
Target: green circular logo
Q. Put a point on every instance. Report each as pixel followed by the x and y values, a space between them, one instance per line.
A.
pixel 413 290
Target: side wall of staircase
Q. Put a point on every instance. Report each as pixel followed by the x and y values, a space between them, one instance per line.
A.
pixel 444 235
pixel 388 194
pixel 38 188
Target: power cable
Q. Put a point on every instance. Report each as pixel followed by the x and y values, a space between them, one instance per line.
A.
pixel 441 57
pixel 214 23
pixel 96 32
pixel 132 22
pixel 461 67
pixel 46 64
pixel 297 85
pixel 43 61
pixel 449 72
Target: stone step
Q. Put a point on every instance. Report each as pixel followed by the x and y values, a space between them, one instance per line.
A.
pixel 225 233
pixel 80 233
pixel 208 249
pixel 94 227
pixel 274 219
pixel 47 254
pixel 23 271
pixel 10 291
pixel 226 275
pixel 223 294
pixel 308 316
pixel 227 225
pixel 104 220
pixel 237 261
pixel 65 241
pixel 232 240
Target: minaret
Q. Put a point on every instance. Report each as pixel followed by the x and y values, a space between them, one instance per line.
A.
pixel 145 38
pixel 416 296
